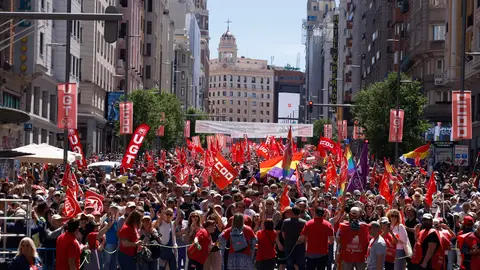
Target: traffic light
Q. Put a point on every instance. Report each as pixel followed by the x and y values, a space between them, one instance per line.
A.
pixel 310 106
pixel 110 33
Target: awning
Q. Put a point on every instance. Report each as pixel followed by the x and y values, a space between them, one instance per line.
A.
pixel 13 116
pixel 12 154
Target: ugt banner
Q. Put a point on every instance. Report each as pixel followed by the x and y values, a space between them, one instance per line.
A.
pixel 134 146
pixel 76 146
pixel 396 125
pixel 67 106
pixel 223 173
pixel 126 117
pixel 461 115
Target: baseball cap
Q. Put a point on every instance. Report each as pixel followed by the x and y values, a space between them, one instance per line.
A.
pixel 56 217
pixel 131 204
pixel 468 220
pixel 374 224
pixel 355 210
pixel 384 220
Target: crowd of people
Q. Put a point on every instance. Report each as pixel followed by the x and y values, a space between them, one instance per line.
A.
pixel 150 222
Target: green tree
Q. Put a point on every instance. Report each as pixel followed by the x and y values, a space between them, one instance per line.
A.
pixel 148 106
pixel 317 131
pixel 373 111
pixel 193 119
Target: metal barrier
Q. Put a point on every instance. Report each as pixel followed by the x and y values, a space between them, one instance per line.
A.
pixel 47 255
pixel 5 217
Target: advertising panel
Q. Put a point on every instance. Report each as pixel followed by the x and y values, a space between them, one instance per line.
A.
pixel 461 115
pixel 113 113
pixel 288 107
pixel 67 106
pixel 24 52
pixel 461 155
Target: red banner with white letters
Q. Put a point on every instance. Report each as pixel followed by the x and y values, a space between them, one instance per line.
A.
pixel 263 151
pixel 134 146
pixel 67 106
pixel 126 117
pixel 76 147
pixel 222 173
pixel 71 207
pixel 327 131
pixel 461 115
pixel 186 130
pixel 95 200
pixel 396 125
pixel 342 130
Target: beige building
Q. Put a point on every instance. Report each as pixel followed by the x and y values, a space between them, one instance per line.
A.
pixel 241 89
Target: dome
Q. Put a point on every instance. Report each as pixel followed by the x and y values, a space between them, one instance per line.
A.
pixel 228 34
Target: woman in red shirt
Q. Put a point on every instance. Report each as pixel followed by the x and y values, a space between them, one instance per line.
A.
pixel 198 252
pixel 242 244
pixel 129 241
pixel 266 254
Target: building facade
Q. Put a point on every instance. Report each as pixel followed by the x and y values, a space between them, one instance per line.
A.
pixel 202 14
pixel 241 89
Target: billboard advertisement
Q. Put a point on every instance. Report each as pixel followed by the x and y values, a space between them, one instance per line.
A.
pixel 253 129
pixel 288 107
pixel 113 113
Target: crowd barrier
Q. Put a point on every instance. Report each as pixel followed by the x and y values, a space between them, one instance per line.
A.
pixel 47 255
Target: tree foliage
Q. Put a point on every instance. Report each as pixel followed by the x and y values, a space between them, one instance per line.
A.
pixel 373 111
pixel 148 106
pixel 193 119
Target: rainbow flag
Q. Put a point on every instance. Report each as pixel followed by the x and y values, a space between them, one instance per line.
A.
pixel 267 165
pixel 277 170
pixel 421 153
pixel 341 190
pixel 351 162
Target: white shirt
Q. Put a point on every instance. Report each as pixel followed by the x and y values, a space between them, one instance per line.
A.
pixel 165 229
pixel 401 233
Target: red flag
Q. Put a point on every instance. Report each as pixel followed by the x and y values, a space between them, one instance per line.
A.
pixel 206 175
pixel 223 173
pixel 181 174
pixel 134 146
pixel 252 181
pixel 383 188
pixel 284 199
pixel 69 180
pixel 432 189
pixel 95 200
pixel 71 207
pixel 331 173
pixel 262 151
pixel 76 147
pixel 417 161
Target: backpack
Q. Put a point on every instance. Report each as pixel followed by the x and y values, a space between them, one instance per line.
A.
pixel 237 240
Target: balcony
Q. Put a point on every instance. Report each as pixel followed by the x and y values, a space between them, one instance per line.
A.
pixel 398 16
pixel 349 24
pixel 348 59
pixel 349 42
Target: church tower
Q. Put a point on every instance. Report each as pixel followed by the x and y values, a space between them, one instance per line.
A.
pixel 227 49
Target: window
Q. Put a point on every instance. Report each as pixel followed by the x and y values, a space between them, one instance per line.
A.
pixel 150 6
pixel 244 119
pixel 238 110
pixel 268 80
pixel 438 32
pixel 254 103
pixel 230 110
pixel 231 78
pixel 183 91
pixel 253 79
pixel 183 75
pixel 148 71
pixel 149 27
pixel 231 93
pixel 183 59
pixel 261 104
pixel 224 93
pixel 231 102
pixel 254 111
pixel 245 94
pixel 439 66
pixel 254 95
pixel 268 87
pixel 245 103
pixel 268 95
pixel 268 104
pixel 11 101
pixel 42 44
pixel 261 80
pixel 149 49
pixel 245 86
pixel 238 102
pixel 244 78
pixel 238 85
pixel 238 79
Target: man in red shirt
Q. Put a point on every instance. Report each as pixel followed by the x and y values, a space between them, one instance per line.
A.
pixel 318 233
pixel 199 251
pixel 68 249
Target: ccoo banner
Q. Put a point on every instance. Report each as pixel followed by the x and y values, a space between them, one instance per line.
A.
pixel 126 117
pixel 67 106
pixel 461 115
pixel 396 125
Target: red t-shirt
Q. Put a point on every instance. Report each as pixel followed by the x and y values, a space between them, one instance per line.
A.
pixel 266 245
pixel 130 234
pixel 204 240
pixel 247 232
pixel 317 231
pixel 67 248
pixel 246 220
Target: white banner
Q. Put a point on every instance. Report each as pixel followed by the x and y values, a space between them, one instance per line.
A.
pixel 253 129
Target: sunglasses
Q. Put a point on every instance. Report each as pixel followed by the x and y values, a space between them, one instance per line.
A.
pixel 169 214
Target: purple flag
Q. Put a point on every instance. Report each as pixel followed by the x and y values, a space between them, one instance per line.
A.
pixel 359 177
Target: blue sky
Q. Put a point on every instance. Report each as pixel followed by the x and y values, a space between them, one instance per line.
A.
pixel 263 28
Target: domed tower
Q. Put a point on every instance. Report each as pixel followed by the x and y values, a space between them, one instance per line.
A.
pixel 227 49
